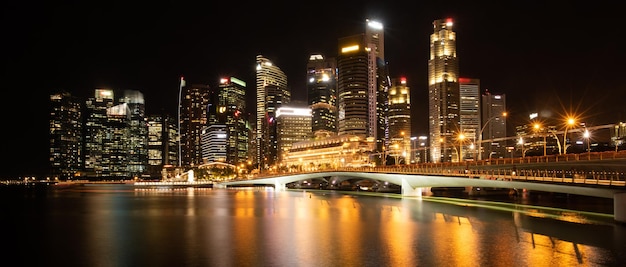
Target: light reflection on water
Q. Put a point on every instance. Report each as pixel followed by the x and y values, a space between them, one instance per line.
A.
pixel 119 226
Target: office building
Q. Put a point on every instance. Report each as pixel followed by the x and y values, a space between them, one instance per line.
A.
pixel 469 118
pixel 443 93
pixel 193 117
pixel 66 139
pixel 162 145
pixel 399 120
pixel 292 125
pixel 271 85
pixel 494 126
pixel 232 109
pixel 322 95
pixel 137 132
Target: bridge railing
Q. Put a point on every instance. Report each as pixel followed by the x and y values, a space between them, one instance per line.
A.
pixel 604 178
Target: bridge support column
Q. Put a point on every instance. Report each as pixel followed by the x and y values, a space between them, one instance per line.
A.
pixel 219 186
pixel 279 187
pixel 408 190
pixel 619 207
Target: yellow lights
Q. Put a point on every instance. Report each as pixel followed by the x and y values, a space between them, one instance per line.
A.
pixel 325 77
pixel 571 121
pixel 351 48
pixel 461 137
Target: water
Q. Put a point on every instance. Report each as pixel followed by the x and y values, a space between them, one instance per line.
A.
pixel 117 225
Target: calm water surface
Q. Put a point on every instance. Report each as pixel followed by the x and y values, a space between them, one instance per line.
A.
pixel 121 226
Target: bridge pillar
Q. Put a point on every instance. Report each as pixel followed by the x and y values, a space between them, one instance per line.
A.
pixel 619 207
pixel 408 190
pixel 279 187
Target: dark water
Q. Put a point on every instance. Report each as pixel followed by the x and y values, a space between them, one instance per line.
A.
pixel 121 226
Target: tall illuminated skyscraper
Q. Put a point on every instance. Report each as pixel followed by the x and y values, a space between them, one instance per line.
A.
pixel 271 84
pixel 193 117
pixel 232 109
pixel 443 92
pixel 400 119
pixel 322 94
pixel 137 132
pixel 362 85
pixel 469 119
pixel 493 110
pixel 65 136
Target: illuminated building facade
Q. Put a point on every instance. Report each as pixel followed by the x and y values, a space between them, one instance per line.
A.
pixel 330 153
pixel 232 109
pixel 215 143
pixel 363 85
pixel 322 94
pixel 137 132
pixel 493 108
pixel 469 118
pixel 292 125
pixel 66 139
pixel 400 120
pixel 271 84
pixel 193 117
pixel 162 144
pixel 352 84
pixel 95 131
pixel 443 92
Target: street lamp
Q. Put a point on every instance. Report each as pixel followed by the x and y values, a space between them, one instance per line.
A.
pixel 480 135
pixel 537 127
pixel 570 122
pixel 587 136
pixel 461 137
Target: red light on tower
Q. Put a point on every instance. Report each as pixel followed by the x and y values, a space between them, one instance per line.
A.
pixel 464 80
pixel 403 80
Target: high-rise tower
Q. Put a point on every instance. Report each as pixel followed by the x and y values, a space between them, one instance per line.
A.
pixel 400 119
pixel 268 75
pixel 469 116
pixel 493 117
pixel 362 85
pixel 322 94
pixel 232 103
pixel 137 132
pixel 65 136
pixel 193 112
pixel 443 92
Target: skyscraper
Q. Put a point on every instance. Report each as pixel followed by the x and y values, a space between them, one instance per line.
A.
pixel 96 123
pixel 232 104
pixel 268 75
pixel 362 85
pixel 443 92
pixel 353 80
pixel 162 145
pixel 322 94
pixel 378 83
pixel 193 118
pixel 292 125
pixel 400 119
pixel 137 132
pixel 65 136
pixel 493 110
pixel 469 119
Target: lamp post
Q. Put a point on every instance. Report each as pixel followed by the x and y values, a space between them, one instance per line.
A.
pixel 570 122
pixel 480 135
pixel 537 127
pixel 461 137
pixel 587 136
pixel 180 93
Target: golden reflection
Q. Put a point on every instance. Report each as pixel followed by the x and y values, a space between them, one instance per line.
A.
pixel 398 236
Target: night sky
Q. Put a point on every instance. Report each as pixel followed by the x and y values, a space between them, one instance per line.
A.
pixel 554 58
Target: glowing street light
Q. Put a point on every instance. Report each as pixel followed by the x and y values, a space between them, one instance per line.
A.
pixel 570 122
pixel 587 136
pixel 461 137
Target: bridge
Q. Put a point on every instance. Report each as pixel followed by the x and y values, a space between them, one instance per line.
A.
pixel 599 174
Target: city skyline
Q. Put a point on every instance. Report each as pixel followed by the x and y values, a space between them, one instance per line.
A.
pixel 525 52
